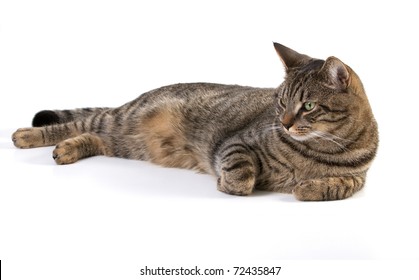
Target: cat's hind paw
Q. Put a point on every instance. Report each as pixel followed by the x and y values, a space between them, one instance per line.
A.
pixel 66 152
pixel 82 146
pixel 26 138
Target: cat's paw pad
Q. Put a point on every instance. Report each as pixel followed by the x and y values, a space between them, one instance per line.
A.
pixel 308 190
pixel 26 138
pixel 65 152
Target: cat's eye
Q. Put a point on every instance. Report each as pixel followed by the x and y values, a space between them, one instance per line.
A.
pixel 308 106
pixel 282 103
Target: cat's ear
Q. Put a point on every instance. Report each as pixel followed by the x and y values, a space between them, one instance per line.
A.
pixel 336 73
pixel 290 58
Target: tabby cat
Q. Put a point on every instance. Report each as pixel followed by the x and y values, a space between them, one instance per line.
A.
pixel 314 136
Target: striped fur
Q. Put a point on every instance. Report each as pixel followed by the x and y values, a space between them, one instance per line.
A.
pixel 314 135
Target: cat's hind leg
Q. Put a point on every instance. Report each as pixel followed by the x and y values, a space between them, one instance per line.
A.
pixel 34 137
pixel 50 135
pixel 74 140
pixel 82 146
pixel 71 144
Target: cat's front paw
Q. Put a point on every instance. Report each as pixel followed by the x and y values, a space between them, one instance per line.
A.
pixel 331 188
pixel 26 138
pixel 308 190
pixel 66 152
pixel 236 188
pixel 236 184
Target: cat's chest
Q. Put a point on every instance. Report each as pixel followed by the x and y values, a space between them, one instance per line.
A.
pixel 277 177
pixel 282 171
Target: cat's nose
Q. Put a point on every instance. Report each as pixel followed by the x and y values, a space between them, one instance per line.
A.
pixel 287 125
pixel 287 120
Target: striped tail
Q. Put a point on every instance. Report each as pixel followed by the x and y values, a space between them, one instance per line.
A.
pixel 49 117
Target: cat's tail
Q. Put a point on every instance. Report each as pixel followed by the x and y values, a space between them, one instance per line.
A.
pixel 48 117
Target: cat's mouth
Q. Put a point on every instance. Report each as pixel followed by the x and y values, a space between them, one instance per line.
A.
pixel 299 133
pixel 301 137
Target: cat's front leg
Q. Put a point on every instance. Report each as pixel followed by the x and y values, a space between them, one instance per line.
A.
pixel 237 174
pixel 330 188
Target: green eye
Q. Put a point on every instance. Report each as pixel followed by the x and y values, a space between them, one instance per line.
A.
pixel 309 105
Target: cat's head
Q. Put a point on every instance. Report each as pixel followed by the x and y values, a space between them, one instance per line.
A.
pixel 320 100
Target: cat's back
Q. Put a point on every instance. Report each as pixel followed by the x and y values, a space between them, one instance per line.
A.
pixel 207 93
pixel 209 104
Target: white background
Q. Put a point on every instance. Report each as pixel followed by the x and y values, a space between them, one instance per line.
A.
pixel 105 218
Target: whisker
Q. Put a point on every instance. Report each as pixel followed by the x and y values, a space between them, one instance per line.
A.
pixel 270 127
pixel 336 140
pixel 327 134
pixel 330 137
